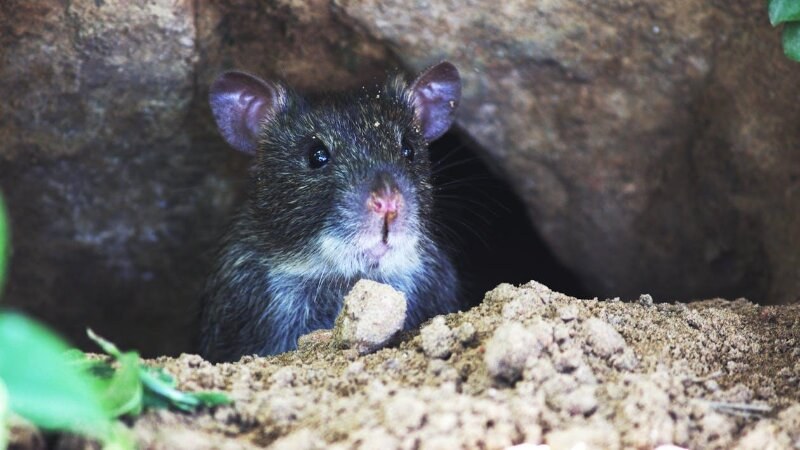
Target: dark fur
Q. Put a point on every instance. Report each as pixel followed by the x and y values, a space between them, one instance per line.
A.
pixel 270 284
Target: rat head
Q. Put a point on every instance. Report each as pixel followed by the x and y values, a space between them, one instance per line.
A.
pixel 342 182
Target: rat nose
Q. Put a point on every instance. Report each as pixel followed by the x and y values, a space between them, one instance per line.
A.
pixel 385 198
pixel 385 203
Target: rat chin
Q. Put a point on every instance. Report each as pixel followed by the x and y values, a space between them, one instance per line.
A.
pixel 371 257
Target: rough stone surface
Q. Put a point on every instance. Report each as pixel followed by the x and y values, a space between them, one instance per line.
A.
pixel 372 314
pixel 684 392
pixel 117 183
pixel 634 129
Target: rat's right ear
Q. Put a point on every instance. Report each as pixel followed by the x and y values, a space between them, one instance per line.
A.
pixel 241 104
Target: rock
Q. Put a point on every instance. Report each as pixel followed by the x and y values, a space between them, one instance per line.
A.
pixel 646 148
pixel 372 314
pixel 634 133
pixel 604 340
pixel 117 183
pixel 508 350
pixel 437 338
pixel 466 333
pixel 568 313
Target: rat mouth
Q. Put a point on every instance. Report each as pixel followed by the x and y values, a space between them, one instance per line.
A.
pixel 387 219
pixel 376 252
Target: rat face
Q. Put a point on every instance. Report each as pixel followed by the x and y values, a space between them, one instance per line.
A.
pixel 342 183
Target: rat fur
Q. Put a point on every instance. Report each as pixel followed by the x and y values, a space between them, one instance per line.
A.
pixel 341 190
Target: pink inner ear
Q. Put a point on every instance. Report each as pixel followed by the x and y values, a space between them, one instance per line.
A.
pixel 437 92
pixel 257 108
pixel 241 103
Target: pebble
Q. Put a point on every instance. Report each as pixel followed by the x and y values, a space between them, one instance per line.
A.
pixel 372 314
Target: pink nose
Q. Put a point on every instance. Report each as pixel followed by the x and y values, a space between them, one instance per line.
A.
pixel 385 203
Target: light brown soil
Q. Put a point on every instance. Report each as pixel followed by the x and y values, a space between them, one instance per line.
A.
pixel 527 366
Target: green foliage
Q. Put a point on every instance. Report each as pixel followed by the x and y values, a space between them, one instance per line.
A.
pixel 56 388
pixel 787 12
pixel 791 40
pixel 135 386
pixel 781 11
pixel 46 388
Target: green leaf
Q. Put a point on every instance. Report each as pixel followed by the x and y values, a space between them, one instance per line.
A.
pixel 4 244
pixel 783 11
pixel 157 387
pixel 107 346
pixel 209 398
pixel 123 392
pixel 791 40
pixel 43 386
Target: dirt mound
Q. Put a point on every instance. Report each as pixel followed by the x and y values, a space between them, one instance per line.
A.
pixel 529 365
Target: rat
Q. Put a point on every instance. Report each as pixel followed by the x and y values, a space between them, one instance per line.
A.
pixel 340 190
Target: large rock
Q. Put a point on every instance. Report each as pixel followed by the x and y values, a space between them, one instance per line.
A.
pixel 117 183
pixel 663 135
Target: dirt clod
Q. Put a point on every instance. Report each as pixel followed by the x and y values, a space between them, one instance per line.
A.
pixel 372 314
pixel 437 338
pixel 509 348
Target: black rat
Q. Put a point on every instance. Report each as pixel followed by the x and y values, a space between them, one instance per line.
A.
pixel 341 190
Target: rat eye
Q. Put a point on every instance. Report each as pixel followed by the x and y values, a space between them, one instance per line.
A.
pixel 318 156
pixel 407 150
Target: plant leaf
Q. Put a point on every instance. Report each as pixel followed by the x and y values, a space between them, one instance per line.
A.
pixel 157 386
pixel 791 40
pixel 43 386
pixel 781 11
pixel 107 346
pixel 123 392
pixel 212 398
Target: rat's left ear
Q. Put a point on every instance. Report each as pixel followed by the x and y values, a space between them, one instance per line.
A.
pixel 436 93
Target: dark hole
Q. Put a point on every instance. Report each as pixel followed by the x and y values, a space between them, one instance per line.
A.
pixel 486 226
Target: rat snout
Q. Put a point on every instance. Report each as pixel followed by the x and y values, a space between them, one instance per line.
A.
pixel 385 203
pixel 385 198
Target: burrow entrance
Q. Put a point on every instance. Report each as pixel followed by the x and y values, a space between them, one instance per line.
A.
pixel 486 227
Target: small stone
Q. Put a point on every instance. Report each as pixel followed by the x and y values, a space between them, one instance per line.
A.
pixel 646 300
pixel 603 338
pixel 562 333
pixel 437 339
pixel 625 361
pixel 568 360
pixel 283 377
pixel 405 412
pixel 568 312
pixel 581 401
pixel 508 349
pixel 372 314
pixel 465 333
pixel 313 339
